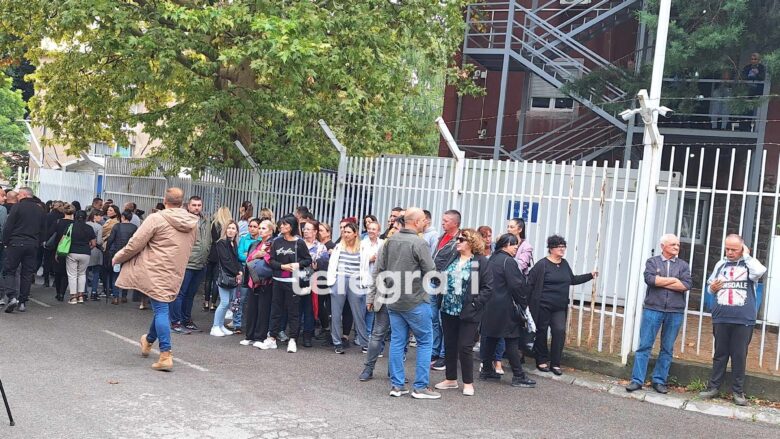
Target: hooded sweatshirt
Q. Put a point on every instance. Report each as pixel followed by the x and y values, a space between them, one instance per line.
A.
pixel 155 258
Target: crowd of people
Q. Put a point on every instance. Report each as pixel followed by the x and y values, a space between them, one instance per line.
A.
pixel 285 282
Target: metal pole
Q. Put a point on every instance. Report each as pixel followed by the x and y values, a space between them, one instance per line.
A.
pixel 646 188
pixel 341 178
pixel 504 77
pixel 7 407
pixel 754 184
pixel 460 158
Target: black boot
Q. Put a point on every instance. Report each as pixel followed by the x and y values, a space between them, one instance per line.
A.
pixel 520 379
pixel 488 372
pixel 307 339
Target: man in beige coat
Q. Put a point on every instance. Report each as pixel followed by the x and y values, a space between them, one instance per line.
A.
pixel 154 262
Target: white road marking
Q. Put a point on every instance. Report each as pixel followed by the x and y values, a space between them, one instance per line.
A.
pixel 38 302
pixel 137 344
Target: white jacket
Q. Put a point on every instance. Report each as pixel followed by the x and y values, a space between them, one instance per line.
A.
pixel 366 279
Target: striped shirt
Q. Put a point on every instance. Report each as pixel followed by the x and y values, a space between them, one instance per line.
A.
pixel 349 263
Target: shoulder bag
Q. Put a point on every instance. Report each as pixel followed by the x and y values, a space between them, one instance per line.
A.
pixel 63 248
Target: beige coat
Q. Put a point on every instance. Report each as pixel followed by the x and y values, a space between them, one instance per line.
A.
pixel 155 258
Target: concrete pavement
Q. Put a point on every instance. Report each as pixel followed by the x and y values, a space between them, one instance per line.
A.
pixel 70 372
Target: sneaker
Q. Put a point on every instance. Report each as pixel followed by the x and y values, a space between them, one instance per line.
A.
pixel 246 342
pixel 740 400
pixel 476 347
pixel 412 342
pixel 226 331
pixel 398 391
pixel 283 336
pixel 381 355
pixel 367 374
pixel 179 329
pixel 364 350
pixel 268 343
pixel 229 315
pixel 22 307
pixel 438 364
pixel 339 349
pixel 425 393
pixel 523 381
pixel 489 375
pixel 81 299
pixel 2 302
pixel 709 393
pixel 291 346
pixel 11 305
pixel 192 326
pixel 72 301
pixel 216 331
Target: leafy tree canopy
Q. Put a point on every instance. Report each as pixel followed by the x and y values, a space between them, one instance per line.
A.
pixel 210 72
pixel 12 138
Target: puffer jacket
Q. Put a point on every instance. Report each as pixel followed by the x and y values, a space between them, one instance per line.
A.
pixel 156 257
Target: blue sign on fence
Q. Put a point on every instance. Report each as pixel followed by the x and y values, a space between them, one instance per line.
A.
pixel 529 212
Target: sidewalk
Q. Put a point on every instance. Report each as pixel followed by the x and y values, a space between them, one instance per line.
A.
pixel 676 399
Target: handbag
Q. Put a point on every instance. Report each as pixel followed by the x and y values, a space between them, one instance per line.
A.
pixel 63 248
pixel 259 270
pixel 51 242
pixel 226 281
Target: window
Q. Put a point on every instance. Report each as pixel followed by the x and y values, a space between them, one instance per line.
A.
pixel 693 227
pixel 546 97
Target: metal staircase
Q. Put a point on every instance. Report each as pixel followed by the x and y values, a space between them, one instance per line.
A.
pixel 549 42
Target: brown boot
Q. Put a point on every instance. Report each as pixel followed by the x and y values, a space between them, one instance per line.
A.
pixel 165 362
pixel 146 347
pixel 115 301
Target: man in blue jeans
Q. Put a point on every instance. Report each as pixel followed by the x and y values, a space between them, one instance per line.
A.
pixel 668 278
pixel 398 284
pixel 181 308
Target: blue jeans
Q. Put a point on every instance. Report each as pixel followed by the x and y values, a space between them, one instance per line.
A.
pixel 224 304
pixel 652 321
pixel 245 291
pixel 181 308
pixel 306 310
pixel 418 320
pixel 437 349
pixel 95 273
pixel 161 325
pixel 500 348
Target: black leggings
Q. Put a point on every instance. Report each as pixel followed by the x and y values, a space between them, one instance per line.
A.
pixel 458 345
pixel 257 314
pixel 555 319
pixel 209 290
pixel 487 353
pixel 285 301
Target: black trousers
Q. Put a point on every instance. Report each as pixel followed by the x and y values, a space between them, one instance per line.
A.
pixel 555 320
pixel 323 314
pixel 209 289
pixel 257 314
pixel 15 255
pixel 48 264
pixel 346 320
pixel 487 353
pixel 731 341
pixel 458 345
pixel 285 301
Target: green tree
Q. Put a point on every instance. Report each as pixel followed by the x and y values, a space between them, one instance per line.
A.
pixel 12 138
pixel 258 71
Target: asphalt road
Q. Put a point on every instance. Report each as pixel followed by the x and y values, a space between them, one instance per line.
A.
pixel 70 371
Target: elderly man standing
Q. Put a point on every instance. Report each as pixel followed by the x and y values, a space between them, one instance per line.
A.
pixel 154 261
pixel 407 257
pixel 668 278
pixel 733 282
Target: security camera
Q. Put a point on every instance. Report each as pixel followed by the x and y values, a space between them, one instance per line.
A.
pixel 664 111
pixel 628 114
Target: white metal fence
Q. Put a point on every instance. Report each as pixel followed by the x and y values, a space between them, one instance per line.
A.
pixel 594 206
pixel 52 184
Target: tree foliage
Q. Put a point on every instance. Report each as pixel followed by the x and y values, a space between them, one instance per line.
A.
pixel 259 71
pixel 12 138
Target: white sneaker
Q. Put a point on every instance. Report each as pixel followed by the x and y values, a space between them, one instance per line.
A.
pixel 216 331
pixel 245 342
pixel 229 315
pixel 269 343
pixel 291 346
pixel 226 331
pixel 283 336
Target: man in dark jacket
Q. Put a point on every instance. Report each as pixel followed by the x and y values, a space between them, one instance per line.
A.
pixel 442 254
pixel 668 278
pixel 22 235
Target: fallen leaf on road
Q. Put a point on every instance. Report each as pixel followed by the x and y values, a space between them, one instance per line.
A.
pixel 113 382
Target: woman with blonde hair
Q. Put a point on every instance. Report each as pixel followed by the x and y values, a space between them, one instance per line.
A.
pixel 221 219
pixel 266 214
pixel 230 276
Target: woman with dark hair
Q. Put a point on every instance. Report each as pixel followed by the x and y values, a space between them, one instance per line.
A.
pixel 548 290
pixel 117 240
pixel 244 215
pixel 289 256
pixel 82 240
pixel 76 205
pixel 461 308
pixel 60 227
pixel 54 215
pixel 347 268
pixel 368 219
pixel 497 320
pixel 244 243
pixel 525 252
pixel 319 257
pixel 229 268
pixel 95 268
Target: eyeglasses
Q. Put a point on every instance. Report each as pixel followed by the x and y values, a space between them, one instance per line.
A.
pixel 560 246
pixel 462 239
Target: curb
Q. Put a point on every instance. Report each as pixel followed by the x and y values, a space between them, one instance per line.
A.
pixel 687 402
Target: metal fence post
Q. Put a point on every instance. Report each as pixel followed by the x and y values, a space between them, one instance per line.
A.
pixel 460 163
pixel 341 179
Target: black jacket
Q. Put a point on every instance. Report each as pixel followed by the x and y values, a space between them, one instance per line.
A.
pixel 473 302
pixel 442 255
pixel 508 289
pixel 26 224
pixel 536 283
pixel 227 256
pixel 215 235
pixel 119 237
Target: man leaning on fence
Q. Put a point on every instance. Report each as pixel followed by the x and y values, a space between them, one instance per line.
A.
pixel 668 278
pixel 733 283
